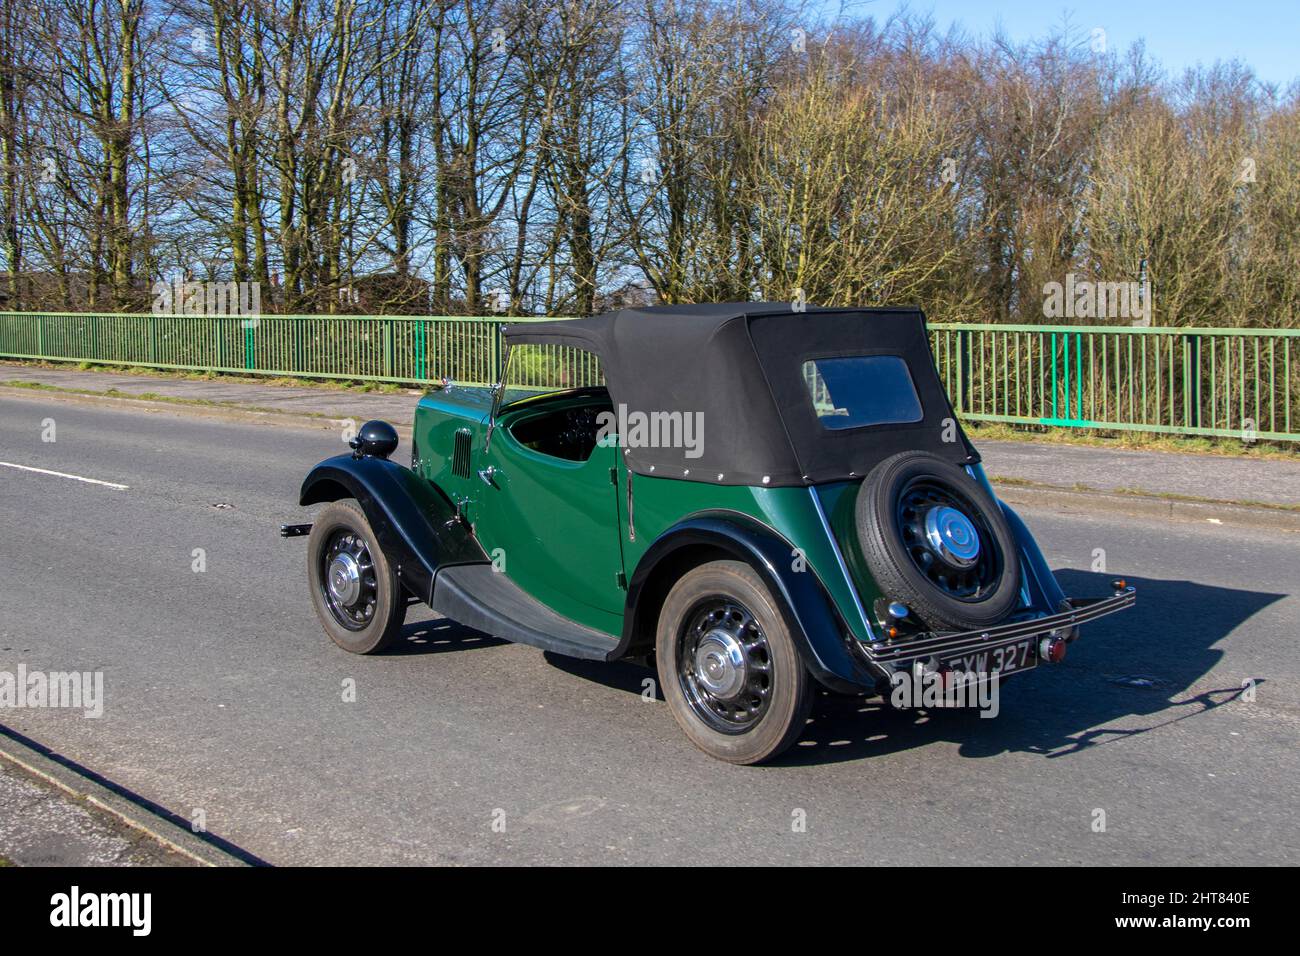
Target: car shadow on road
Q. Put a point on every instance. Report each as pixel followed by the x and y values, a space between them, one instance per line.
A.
pixel 1128 675
pixel 441 635
pixel 1137 664
pixel 618 675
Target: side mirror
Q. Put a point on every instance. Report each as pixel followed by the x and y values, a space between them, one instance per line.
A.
pixel 375 439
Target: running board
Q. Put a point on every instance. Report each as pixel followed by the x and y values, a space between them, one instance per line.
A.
pixel 488 601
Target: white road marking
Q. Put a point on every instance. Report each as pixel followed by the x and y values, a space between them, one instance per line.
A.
pixel 61 474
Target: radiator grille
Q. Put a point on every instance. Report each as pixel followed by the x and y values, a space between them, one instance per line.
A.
pixel 460 453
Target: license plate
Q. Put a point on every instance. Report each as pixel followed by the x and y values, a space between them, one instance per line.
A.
pixel 1003 660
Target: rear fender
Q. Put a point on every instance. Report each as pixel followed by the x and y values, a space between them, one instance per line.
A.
pixel 1044 592
pixel 416 524
pixel 1040 584
pixel 818 632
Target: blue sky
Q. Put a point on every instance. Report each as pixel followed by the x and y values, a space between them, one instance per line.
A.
pixel 1265 34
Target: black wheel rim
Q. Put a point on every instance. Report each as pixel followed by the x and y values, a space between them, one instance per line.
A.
pixel 347 579
pixel 936 522
pixel 724 666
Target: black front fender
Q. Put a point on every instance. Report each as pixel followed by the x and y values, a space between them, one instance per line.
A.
pixel 415 523
pixel 809 613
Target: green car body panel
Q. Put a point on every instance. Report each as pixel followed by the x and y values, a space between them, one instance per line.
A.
pixel 560 529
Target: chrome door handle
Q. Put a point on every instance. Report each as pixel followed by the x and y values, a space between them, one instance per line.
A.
pixel 488 475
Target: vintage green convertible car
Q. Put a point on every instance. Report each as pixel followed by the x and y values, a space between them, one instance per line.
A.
pixel 758 499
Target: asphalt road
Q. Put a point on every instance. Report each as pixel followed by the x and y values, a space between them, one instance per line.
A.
pixel 223 695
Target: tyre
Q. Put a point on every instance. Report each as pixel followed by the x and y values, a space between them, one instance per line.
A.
pixel 729 669
pixel 354 589
pixel 935 540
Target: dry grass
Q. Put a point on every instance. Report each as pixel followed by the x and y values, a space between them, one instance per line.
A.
pixel 1017 482
pixel 1131 441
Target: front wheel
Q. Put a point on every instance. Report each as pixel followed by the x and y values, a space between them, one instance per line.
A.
pixel 728 666
pixel 354 589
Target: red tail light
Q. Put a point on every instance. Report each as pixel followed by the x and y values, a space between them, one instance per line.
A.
pixel 1052 649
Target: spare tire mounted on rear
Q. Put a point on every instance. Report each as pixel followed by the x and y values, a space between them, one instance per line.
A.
pixel 937 541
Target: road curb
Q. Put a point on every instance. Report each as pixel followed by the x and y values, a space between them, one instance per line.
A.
pixel 68 777
pixel 1212 512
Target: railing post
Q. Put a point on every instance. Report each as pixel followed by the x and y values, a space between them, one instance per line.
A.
pixel 1065 366
pixel 1078 376
pixel 1192 381
pixel 963 371
pixel 388 348
pixel 1055 417
pixel 418 344
pixel 40 336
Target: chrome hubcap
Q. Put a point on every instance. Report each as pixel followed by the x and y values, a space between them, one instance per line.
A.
pixel 948 539
pixel 724 666
pixel 345 579
pixel 952 536
pixel 720 664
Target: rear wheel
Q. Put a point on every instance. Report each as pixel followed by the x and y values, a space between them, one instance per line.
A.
pixel 354 589
pixel 729 669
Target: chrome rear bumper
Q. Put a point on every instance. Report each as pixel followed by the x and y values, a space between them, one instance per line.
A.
pixel 949 644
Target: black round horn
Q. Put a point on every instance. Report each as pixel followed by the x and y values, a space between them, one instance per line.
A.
pixel 375 439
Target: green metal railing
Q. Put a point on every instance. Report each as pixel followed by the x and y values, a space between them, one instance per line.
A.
pixel 1188 381
pixel 367 348
pixel 1238 383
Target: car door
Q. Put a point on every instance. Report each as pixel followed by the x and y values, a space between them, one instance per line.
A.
pixel 552 525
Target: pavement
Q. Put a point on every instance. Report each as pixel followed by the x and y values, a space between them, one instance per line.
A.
pixel 248 396
pixel 1243 480
pixel 1167 736
pixel 42 825
pixel 1200 487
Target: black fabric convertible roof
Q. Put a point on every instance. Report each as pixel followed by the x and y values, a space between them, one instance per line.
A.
pixel 740 366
